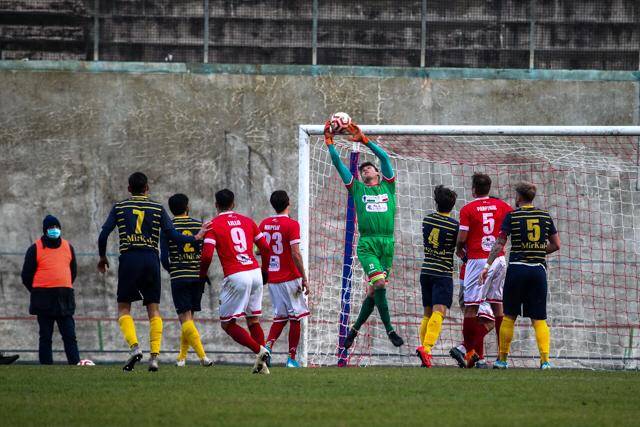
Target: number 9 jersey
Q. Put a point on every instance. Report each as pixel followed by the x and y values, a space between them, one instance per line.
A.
pixel 234 236
pixel 482 219
pixel 281 232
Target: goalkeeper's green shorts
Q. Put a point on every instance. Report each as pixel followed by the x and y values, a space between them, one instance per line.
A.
pixel 376 256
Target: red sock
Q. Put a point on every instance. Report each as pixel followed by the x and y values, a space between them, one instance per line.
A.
pixel 257 333
pixel 498 323
pixel 468 332
pixel 274 332
pixel 481 331
pixel 242 337
pixel 294 337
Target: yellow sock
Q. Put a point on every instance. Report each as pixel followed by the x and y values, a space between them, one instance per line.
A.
pixel 423 328
pixel 184 345
pixel 433 330
pixel 128 330
pixel 543 337
pixel 155 334
pixel 506 335
pixel 193 336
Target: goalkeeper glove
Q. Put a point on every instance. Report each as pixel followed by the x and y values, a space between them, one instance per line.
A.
pixel 356 134
pixel 328 134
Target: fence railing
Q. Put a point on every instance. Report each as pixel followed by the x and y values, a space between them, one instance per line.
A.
pixel 525 34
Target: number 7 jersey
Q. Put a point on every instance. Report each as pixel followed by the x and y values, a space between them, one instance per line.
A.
pixel 233 235
pixel 482 219
pixel 281 232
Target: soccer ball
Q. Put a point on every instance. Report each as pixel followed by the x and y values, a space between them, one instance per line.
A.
pixel 86 362
pixel 339 122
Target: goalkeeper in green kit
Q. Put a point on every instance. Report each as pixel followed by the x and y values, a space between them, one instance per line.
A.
pixel 375 202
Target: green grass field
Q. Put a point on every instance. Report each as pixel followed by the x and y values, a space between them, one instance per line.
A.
pixel 232 396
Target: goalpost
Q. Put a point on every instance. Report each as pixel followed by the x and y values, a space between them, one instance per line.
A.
pixel 588 179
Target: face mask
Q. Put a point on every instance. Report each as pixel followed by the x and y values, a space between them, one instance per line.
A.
pixel 53 233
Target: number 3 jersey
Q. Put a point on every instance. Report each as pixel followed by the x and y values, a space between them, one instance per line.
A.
pixel 281 232
pixel 233 235
pixel 482 219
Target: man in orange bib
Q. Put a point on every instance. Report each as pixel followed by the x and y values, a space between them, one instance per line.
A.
pixel 48 273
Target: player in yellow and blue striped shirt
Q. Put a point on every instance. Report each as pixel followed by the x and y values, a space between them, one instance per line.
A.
pixel 440 233
pixel 139 221
pixel 182 261
pixel 533 237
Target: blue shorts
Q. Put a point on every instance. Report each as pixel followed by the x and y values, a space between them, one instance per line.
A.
pixel 139 277
pixel 525 291
pixel 436 290
pixel 187 295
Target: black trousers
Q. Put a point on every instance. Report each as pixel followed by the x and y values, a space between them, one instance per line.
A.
pixel 67 328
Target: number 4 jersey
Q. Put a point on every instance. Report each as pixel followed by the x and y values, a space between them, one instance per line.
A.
pixel 281 232
pixel 233 235
pixel 482 219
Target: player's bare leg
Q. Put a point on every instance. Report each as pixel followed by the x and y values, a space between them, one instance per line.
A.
pixel 128 330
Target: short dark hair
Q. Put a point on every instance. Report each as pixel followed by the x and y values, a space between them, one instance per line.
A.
pixel 224 199
pixel 178 204
pixel 279 200
pixel 526 190
pixel 445 198
pixel 137 182
pixel 481 183
pixel 365 164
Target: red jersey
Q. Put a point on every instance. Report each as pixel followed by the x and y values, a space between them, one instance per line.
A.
pixel 281 232
pixel 482 219
pixel 234 235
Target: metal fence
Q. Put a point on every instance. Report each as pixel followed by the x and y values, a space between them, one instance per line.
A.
pixel 544 34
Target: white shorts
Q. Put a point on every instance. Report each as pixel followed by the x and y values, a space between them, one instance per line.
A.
pixel 491 291
pixel 288 301
pixel 241 295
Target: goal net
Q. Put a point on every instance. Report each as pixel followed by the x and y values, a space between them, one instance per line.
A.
pixel 587 177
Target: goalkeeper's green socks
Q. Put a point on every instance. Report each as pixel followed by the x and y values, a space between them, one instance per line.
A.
pixel 380 297
pixel 365 311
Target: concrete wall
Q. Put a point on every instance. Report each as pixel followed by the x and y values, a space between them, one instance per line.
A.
pixel 70 139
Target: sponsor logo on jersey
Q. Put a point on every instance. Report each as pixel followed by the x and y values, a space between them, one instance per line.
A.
pixel 377 207
pixel 375 198
pixel 244 259
pixel 487 243
pixel 274 263
pixel 376 202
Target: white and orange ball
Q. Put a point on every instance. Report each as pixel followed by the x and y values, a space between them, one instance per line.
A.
pixel 339 122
